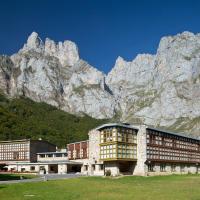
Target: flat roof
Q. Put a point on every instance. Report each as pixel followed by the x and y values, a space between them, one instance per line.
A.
pixel 51 153
pixel 148 127
pixel 172 133
pixel 79 142
pixel 125 125
pixel 46 162
pixel 25 140
pixel 8 141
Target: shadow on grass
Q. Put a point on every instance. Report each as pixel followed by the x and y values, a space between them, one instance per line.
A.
pixel 12 177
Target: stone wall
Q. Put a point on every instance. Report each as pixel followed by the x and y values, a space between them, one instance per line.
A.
pixel 141 168
pixel 94 153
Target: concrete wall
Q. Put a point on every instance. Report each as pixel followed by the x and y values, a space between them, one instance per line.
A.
pixel 113 167
pixel 23 168
pixel 62 168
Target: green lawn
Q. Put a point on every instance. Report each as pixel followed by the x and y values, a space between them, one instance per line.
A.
pixel 184 187
pixel 8 177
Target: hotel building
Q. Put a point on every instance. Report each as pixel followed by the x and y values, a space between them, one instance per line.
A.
pixel 139 150
pixel 115 149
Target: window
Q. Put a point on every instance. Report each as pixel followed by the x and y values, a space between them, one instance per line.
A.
pixel 93 167
pixel 16 155
pixel 58 155
pixel 173 167
pixel 101 167
pixel 150 168
pixel 22 169
pixel 182 168
pixel 32 168
pixel 42 168
pixel 85 167
pixel 162 167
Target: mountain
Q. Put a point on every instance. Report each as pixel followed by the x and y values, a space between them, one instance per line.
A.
pixel 161 90
pixel 54 73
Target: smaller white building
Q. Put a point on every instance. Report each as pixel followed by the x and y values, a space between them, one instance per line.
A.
pixel 47 163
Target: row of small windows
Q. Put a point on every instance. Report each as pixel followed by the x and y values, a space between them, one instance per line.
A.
pixel 172 168
pixel 120 135
pixel 83 153
pixel 14 156
pixel 175 142
pixel 119 130
pixel 170 154
pixel 13 147
pixel 118 151
pixel 53 155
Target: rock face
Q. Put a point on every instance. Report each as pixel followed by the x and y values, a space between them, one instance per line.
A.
pixel 160 90
pixel 54 73
pixel 163 89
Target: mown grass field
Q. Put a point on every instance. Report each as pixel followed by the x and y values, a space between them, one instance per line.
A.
pixel 184 187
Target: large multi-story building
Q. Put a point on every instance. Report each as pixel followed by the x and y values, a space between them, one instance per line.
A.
pixel 140 150
pixel 111 149
pixel 18 154
pixel 23 150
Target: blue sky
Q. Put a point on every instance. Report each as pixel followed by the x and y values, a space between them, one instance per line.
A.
pixel 102 29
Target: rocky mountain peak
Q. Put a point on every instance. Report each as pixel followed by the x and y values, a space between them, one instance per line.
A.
pixel 178 40
pixel 66 52
pixel 160 90
pixel 33 42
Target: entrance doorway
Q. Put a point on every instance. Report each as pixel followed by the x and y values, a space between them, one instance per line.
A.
pixel 73 168
pixel 126 167
pixel 53 169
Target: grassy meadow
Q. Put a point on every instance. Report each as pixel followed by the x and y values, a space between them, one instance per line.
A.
pixel 175 187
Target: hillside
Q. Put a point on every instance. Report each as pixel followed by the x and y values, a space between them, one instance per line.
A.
pixel 23 118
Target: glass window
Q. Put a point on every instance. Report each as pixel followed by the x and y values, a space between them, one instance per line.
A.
pixel 150 167
pixel 162 167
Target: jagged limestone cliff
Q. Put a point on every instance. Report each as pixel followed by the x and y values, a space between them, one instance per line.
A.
pixel 160 90
pixel 55 74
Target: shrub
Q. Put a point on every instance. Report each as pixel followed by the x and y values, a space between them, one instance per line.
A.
pixel 108 173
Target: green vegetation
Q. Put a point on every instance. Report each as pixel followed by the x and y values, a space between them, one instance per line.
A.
pixel 80 89
pixel 22 118
pixel 182 187
pixel 146 98
pixel 185 124
pixel 8 177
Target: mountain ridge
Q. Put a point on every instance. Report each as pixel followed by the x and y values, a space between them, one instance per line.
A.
pixel 162 90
